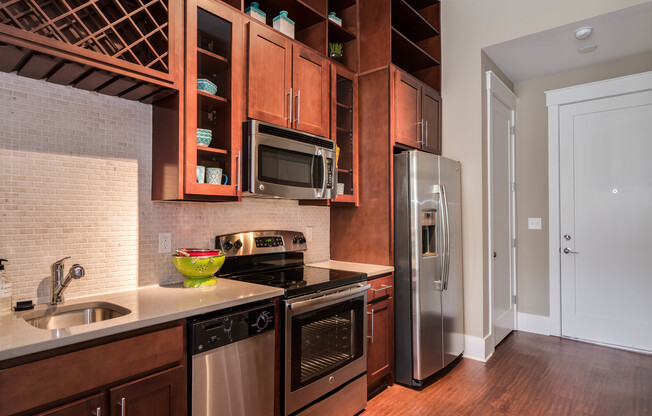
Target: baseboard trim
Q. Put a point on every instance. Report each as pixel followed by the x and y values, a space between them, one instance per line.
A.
pixel 536 324
pixel 479 349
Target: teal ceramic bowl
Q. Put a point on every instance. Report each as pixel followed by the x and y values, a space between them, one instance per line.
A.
pixel 204 137
pixel 206 86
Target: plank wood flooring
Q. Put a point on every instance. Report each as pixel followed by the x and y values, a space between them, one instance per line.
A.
pixel 532 374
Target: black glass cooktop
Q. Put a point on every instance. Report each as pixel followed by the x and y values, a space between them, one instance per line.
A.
pixel 303 279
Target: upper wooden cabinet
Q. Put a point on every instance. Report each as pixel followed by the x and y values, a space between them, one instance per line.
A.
pixel 288 83
pixel 214 52
pixel 124 48
pixel 417 114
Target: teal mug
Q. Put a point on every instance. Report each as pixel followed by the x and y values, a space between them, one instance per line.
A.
pixel 214 176
pixel 201 174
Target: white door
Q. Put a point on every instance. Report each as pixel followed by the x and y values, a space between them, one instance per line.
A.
pixel 501 120
pixel 605 156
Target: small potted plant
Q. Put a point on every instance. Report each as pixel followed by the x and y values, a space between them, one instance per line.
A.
pixel 335 51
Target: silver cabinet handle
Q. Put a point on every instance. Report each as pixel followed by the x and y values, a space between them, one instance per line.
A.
pixel 569 251
pixel 420 123
pixel 239 167
pixel 426 132
pixel 372 326
pixel 382 288
pixel 98 412
pixel 298 106
pixel 289 118
pixel 123 407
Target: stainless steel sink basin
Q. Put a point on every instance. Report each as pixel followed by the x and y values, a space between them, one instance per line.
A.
pixel 56 317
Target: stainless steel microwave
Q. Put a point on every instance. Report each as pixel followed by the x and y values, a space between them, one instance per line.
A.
pixel 286 163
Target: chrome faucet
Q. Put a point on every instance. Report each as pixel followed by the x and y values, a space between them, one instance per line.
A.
pixel 59 284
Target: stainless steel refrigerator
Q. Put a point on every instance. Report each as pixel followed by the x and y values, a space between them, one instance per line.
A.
pixel 429 314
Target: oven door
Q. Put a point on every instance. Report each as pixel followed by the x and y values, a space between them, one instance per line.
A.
pixel 325 345
pixel 288 168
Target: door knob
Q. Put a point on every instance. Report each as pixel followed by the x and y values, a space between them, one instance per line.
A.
pixel 569 251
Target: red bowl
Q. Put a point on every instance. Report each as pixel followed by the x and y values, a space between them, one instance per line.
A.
pixel 198 252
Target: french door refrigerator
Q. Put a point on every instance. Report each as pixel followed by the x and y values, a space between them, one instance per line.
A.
pixel 429 314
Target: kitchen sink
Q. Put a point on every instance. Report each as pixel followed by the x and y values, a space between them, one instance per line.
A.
pixel 56 317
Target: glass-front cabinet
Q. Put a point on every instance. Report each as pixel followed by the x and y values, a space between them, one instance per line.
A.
pixel 344 130
pixel 213 100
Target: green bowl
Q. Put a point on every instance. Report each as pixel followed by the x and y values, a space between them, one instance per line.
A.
pixel 195 267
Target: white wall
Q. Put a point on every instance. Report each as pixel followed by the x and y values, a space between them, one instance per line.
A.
pixel 75 180
pixel 532 172
pixel 467 27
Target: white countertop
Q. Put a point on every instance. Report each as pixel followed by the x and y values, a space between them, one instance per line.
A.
pixel 370 269
pixel 149 306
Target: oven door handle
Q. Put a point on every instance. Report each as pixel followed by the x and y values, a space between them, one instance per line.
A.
pixel 341 295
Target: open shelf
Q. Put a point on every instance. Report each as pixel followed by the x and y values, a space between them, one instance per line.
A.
pixel 407 55
pixel 410 23
pixel 337 33
pixel 335 5
pixel 214 101
pixel 420 4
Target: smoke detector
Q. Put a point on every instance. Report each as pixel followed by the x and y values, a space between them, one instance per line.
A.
pixel 583 33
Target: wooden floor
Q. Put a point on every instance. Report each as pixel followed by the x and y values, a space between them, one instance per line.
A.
pixel 532 375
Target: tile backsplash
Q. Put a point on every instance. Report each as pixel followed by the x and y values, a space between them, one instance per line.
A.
pixel 75 180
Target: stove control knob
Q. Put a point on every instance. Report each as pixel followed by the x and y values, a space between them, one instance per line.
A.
pixel 237 245
pixel 228 246
pixel 262 321
pixel 302 239
pixel 295 240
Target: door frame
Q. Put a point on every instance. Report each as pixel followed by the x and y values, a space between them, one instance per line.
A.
pixel 554 100
pixel 496 88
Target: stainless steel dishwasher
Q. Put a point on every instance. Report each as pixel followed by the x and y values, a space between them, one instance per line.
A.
pixel 232 362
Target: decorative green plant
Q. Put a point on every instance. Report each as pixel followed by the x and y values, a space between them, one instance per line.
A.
pixel 335 48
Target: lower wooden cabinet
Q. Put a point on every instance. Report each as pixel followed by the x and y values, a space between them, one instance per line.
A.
pixel 380 333
pixel 142 373
pixel 160 394
pixel 92 405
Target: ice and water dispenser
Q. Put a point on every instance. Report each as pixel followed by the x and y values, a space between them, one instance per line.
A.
pixel 428 232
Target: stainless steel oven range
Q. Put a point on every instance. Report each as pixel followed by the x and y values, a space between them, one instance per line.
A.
pixel 324 355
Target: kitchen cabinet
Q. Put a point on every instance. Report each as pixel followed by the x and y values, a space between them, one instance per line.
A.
pixel 287 82
pixel 417 114
pixel 380 338
pixel 214 52
pixel 160 394
pixel 127 49
pixel 146 368
pixel 92 405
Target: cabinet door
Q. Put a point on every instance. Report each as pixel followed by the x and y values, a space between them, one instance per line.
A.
pixel 310 89
pixel 379 348
pixel 407 105
pixel 91 406
pixel 269 75
pixel 161 394
pixel 431 116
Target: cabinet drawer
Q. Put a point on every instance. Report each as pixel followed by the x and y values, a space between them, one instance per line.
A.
pixel 381 288
pixel 84 370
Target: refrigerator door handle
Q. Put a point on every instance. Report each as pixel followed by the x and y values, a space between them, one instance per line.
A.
pixel 447 237
pixel 440 284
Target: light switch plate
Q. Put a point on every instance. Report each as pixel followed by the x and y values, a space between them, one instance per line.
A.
pixel 534 223
pixel 164 242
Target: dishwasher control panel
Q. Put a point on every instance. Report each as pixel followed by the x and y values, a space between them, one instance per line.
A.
pixel 220 328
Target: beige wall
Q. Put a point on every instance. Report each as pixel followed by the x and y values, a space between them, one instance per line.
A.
pixel 532 172
pixel 467 27
pixel 75 180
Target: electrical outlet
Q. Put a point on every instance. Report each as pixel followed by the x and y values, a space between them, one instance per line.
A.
pixel 164 242
pixel 534 223
pixel 309 233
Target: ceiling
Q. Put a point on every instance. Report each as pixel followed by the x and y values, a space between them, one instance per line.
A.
pixel 620 34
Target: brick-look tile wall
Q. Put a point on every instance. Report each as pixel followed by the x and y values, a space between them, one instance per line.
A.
pixel 75 180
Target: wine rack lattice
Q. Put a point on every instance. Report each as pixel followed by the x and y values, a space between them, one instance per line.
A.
pixel 135 31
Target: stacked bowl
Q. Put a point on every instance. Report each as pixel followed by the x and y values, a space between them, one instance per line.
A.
pixel 204 137
pixel 206 86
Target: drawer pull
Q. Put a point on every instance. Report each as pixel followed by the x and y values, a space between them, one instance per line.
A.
pixel 123 407
pixel 382 288
pixel 372 326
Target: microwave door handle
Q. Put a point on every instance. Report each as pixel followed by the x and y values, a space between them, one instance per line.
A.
pixel 324 174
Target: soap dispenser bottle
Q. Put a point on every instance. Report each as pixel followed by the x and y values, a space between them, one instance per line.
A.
pixel 5 291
